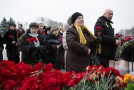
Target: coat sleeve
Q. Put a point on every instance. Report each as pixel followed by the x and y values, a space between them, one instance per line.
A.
pixel 23 46
pixel 105 38
pixel 73 44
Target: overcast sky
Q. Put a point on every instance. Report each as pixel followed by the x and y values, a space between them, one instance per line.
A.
pixel 60 10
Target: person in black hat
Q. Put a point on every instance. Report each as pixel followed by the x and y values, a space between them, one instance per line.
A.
pixel 10 38
pixel 80 44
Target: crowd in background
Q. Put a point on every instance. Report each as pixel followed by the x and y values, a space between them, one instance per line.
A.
pixel 69 46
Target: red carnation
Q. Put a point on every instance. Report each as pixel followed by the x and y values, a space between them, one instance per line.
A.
pixel 42 32
pixel 98 27
pixel 71 83
pixel 60 40
pixel 52 81
pixel 10 36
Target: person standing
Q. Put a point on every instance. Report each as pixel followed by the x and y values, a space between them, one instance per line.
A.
pixel 104 30
pixel 20 31
pixel 80 43
pixel 10 38
pixel 1 48
pixel 32 44
pixel 65 28
pixel 42 32
pixel 53 45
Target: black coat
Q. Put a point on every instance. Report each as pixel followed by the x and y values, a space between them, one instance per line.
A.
pixel 8 40
pixel 1 48
pixel 108 46
pixel 51 43
pixel 1 42
pixel 25 47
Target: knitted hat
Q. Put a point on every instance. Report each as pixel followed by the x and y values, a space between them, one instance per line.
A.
pixel 54 27
pixel 75 16
pixel 33 24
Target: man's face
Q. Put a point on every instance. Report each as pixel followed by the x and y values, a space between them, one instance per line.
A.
pixel 19 26
pixel 33 30
pixel 109 15
pixel 12 27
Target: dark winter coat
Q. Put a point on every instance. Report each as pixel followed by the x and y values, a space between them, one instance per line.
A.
pixel 77 58
pixel 51 43
pixel 27 54
pixel 9 37
pixel 1 48
pixel 108 46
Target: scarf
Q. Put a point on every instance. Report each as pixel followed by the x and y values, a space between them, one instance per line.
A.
pixel 35 43
pixel 82 38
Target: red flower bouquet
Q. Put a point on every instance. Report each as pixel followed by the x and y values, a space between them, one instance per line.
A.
pixel 38 77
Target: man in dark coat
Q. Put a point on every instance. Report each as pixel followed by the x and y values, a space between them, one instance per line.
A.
pixel 1 48
pixel 104 30
pixel 31 50
pixel 10 38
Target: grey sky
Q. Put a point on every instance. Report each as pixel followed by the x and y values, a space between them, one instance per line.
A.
pixel 60 10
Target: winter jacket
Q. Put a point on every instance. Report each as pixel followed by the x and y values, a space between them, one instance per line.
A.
pixel 77 58
pixel 29 52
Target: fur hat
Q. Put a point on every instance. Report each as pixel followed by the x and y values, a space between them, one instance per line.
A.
pixel 69 21
pixel 33 24
pixel 54 27
pixel 75 16
pixel 40 22
pixel 66 27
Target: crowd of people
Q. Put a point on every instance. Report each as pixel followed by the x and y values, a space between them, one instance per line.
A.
pixel 70 46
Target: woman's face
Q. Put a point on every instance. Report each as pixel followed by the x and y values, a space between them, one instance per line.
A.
pixel 55 32
pixel 12 27
pixel 33 30
pixel 79 21
pixel 41 26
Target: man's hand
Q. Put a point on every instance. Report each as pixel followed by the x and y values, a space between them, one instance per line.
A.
pixel 58 46
pixel 13 42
